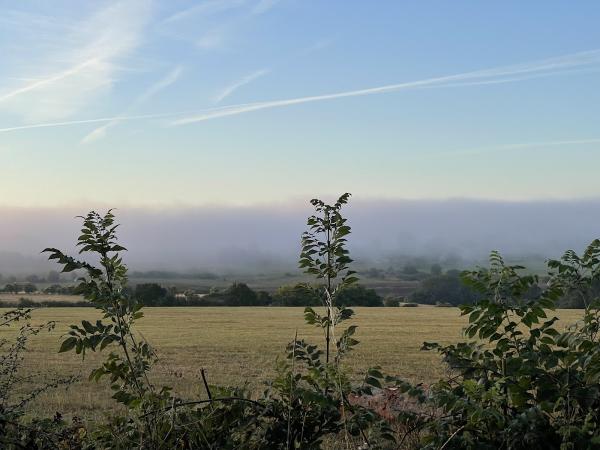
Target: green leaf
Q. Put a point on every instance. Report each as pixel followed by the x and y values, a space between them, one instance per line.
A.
pixel 68 344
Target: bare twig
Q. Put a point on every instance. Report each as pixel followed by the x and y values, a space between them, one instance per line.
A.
pixel 451 437
pixel 203 374
pixel 289 424
pixel 200 402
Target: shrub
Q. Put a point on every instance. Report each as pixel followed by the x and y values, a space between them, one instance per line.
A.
pixel 14 433
pixel 447 288
pixel 356 295
pixel 300 294
pixel 152 294
pixel 26 303
pixel 238 294
pixel 524 384
pixel 391 301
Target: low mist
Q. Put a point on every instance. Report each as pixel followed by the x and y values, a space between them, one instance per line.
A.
pixel 265 239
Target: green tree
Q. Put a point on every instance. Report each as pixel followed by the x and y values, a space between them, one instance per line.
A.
pixel 436 270
pixel 410 269
pixel 152 294
pixel 300 294
pixel 324 255
pixel 29 288
pixel 33 279
pixel 238 294
pixel 106 288
pixel 357 295
pixel 447 288
pixel 11 288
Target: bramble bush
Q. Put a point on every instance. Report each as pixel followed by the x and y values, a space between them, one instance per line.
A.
pixel 517 381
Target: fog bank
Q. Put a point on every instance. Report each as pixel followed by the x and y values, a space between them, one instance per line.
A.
pixel 265 239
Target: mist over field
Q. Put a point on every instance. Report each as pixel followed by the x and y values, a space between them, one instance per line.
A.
pixel 264 239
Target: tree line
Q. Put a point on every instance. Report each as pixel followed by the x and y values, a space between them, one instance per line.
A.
pixel 240 294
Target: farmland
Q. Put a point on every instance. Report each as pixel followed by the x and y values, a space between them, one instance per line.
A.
pixel 238 345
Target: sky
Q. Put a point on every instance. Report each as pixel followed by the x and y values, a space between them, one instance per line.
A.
pixel 459 127
pixel 152 104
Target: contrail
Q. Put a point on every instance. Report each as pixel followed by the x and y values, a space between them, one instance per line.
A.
pixel 517 146
pixel 84 121
pixel 48 80
pixel 552 66
pixel 169 79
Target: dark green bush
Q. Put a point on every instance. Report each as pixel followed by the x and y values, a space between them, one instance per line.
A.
pixel 391 301
pixel 524 384
pixel 300 294
pixel 357 295
pixel 447 288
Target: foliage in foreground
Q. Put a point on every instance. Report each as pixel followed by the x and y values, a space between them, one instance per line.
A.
pixel 518 381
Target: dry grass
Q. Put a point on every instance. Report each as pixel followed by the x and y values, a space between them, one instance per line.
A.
pixel 238 345
pixel 39 297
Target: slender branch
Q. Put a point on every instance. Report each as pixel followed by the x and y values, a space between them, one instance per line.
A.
pixel 203 374
pixel 289 424
pixel 452 437
pixel 200 402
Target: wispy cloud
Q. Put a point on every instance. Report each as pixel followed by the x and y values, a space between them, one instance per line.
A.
pixel 551 66
pixel 40 83
pixel 264 6
pixel 212 39
pixel 84 63
pixel 205 8
pixel 163 83
pixel 518 146
pixel 226 18
pixel 68 123
pixel 506 74
pixel 228 90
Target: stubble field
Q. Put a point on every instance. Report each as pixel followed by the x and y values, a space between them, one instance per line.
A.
pixel 237 346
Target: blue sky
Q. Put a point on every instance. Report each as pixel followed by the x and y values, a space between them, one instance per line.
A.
pixel 245 102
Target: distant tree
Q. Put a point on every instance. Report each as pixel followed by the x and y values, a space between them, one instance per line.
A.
pixel 33 279
pixel 299 294
pixel 391 301
pixel 26 303
pixel 357 295
pixel 11 288
pixel 375 273
pixel 152 294
pixel 436 269
pixel 53 277
pixel 238 294
pixel 264 298
pixel 447 288
pixel 53 289
pixel 241 295
pixel 29 288
pixel 410 269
